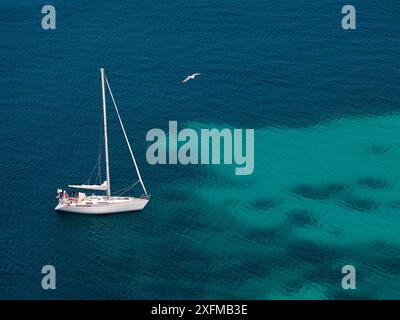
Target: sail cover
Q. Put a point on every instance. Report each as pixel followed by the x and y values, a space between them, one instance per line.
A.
pixel 102 186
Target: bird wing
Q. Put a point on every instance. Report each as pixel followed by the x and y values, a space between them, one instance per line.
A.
pixel 190 77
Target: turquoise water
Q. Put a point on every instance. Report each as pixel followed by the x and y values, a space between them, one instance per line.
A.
pixel 324 104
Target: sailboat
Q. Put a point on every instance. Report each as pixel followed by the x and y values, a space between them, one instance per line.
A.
pixel 104 203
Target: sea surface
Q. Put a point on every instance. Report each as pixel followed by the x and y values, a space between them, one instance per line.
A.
pixel 325 106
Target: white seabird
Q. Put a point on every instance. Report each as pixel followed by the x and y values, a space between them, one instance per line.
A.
pixel 191 77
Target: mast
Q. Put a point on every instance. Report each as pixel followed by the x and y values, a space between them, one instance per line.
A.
pixel 105 131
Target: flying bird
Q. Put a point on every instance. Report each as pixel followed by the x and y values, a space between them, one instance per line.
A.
pixel 194 75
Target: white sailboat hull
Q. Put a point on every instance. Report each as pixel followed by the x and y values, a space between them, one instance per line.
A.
pixel 103 205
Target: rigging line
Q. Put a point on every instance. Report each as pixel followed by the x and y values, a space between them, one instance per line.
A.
pixel 124 190
pixel 97 164
pixel 93 169
pixel 100 151
pixel 127 188
pixel 98 177
pixel 126 137
pixel 122 193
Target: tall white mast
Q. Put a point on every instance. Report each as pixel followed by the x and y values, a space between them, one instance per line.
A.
pixel 105 131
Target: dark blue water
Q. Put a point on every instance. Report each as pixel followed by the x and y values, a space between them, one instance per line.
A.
pixel 325 106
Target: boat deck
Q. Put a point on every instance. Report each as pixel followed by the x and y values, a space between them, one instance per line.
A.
pixel 91 201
